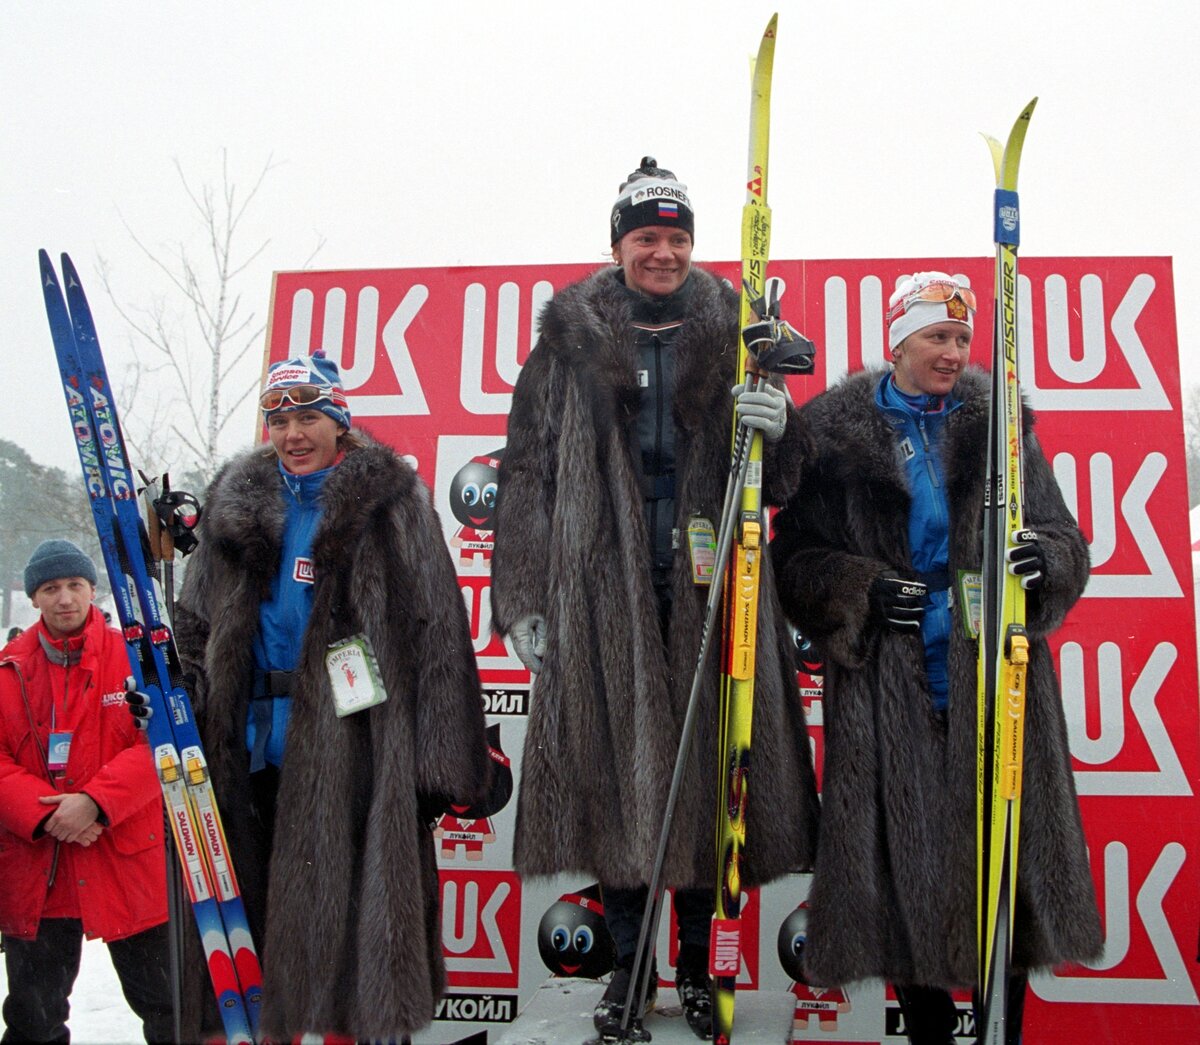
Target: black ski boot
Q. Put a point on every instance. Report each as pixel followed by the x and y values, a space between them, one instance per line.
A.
pixel 607 1017
pixel 694 988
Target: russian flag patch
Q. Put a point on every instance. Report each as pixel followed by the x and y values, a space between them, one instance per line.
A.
pixel 668 210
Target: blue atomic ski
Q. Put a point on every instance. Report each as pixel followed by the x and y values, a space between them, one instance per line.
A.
pixel 154 662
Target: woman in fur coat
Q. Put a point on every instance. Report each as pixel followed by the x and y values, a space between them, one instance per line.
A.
pixel 324 537
pixel 894 495
pixel 618 440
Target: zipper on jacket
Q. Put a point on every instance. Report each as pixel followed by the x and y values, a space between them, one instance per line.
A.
pixel 935 480
pixel 929 466
pixel 656 343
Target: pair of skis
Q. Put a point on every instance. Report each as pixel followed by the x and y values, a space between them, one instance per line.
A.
pixel 733 595
pixel 736 704
pixel 1003 643
pixel 154 662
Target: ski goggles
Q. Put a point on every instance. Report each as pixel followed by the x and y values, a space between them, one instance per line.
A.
pixel 940 292
pixel 300 395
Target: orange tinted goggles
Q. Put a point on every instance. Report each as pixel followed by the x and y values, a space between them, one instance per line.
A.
pixel 299 395
pixel 939 293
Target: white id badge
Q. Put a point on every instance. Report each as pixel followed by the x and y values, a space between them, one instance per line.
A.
pixel 354 675
pixel 702 548
pixel 971 587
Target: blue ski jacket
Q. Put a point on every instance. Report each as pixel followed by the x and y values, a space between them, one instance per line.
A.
pixel 918 422
pixel 283 618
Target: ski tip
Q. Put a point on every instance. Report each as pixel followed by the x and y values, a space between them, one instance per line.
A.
pixel 761 64
pixel 997 151
pixel 768 36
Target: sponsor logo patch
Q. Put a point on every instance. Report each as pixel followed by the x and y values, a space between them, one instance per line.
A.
pixel 290 375
pixel 302 570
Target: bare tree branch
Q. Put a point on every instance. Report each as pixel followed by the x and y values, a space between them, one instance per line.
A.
pixel 211 306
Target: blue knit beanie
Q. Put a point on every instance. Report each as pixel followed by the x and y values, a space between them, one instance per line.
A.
pixel 316 371
pixel 55 559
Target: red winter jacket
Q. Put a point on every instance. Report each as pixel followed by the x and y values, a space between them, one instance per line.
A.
pixel 120 878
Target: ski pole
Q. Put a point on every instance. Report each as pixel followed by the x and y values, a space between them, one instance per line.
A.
pixel 639 984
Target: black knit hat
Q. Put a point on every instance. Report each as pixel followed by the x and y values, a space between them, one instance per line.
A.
pixel 652 195
pixel 55 559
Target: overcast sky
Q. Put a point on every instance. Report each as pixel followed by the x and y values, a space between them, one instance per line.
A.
pixel 486 133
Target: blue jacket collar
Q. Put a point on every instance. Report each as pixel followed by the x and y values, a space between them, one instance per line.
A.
pixel 305 488
pixel 900 407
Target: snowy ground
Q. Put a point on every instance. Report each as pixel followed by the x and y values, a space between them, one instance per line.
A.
pixel 99 1015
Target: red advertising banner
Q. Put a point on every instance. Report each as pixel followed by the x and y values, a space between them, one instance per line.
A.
pixel 429 358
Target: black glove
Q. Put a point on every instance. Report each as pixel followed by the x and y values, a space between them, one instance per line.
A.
pixel 1026 560
pixel 898 602
pixel 138 703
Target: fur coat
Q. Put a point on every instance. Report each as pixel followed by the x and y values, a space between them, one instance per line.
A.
pixel 352 940
pixel 894 889
pixel 572 546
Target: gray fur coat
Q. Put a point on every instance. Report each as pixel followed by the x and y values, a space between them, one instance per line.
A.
pixel 894 889
pixel 352 931
pixel 571 545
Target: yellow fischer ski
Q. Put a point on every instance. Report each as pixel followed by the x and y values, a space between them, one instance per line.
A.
pixel 1003 644
pixel 741 588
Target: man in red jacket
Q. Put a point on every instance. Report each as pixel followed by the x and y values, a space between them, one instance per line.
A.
pixel 81 822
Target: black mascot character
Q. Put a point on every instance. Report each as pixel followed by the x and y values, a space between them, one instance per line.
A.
pixel 823 1002
pixel 473 503
pixel 572 937
pixel 470 827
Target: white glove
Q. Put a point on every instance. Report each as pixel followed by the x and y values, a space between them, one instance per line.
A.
pixel 529 640
pixel 765 410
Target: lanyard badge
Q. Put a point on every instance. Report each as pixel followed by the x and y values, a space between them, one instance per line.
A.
pixel 59 751
pixel 354 675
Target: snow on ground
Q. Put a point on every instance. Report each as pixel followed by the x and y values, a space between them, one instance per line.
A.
pixel 99 1013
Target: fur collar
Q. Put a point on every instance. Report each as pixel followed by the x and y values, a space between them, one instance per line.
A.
pixel 589 325
pixel 855 443
pixel 246 521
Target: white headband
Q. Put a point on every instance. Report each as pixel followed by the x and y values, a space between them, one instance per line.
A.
pixel 919 313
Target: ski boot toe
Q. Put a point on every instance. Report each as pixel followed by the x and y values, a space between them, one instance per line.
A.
pixel 607 1016
pixel 695 996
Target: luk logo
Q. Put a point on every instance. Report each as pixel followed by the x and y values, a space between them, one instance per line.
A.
pixel 1173 986
pixel 411 397
pixel 481 928
pixel 508 315
pixel 1087 365
pixel 1101 747
pixel 1105 346
pixel 1159 581
pixel 302 570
